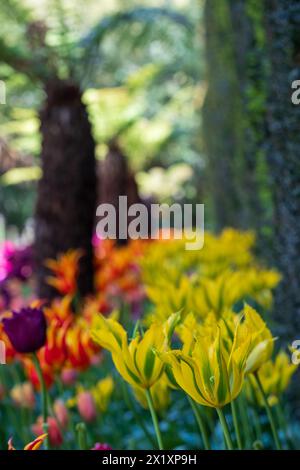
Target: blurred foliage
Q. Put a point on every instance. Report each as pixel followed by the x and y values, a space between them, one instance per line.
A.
pixel 141 64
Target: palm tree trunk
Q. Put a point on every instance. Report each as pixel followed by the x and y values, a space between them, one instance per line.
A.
pixel 66 200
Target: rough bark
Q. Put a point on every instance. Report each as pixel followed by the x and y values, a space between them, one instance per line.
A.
pixel 117 180
pixel 284 157
pixel 65 209
pixel 250 61
pixel 234 111
pixel 219 113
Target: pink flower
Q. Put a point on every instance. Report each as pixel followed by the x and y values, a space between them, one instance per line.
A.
pixel 99 446
pixel 6 267
pixel 55 436
pixel 86 406
pixel 69 376
pixel 61 413
pixel 15 261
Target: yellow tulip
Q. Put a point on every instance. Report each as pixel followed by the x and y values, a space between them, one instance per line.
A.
pixel 102 392
pixel 137 361
pixel 210 375
pixel 275 377
pixel 230 249
pixel 262 341
pixel 191 327
pixel 160 392
pixel 251 328
pixel 214 279
pixel 169 297
pixel 216 295
pixel 259 283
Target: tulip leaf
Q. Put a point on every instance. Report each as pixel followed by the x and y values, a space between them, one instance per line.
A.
pixel 149 363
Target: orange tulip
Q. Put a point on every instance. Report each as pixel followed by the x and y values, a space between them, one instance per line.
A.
pixel 65 271
pixel 34 445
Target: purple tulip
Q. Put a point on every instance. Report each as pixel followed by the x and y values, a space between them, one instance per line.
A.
pixel 26 329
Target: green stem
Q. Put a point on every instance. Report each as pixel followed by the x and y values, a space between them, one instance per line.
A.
pixel 208 419
pixel 11 414
pixel 255 414
pixel 269 412
pixel 25 423
pixel 225 428
pixel 257 425
pixel 135 413
pixel 81 436
pixel 154 419
pixel 243 409
pixel 200 423
pixel 283 424
pixel 136 328
pixel 44 397
pixel 236 424
pixel 76 302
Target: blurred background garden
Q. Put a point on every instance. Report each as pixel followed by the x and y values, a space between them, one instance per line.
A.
pixel 178 101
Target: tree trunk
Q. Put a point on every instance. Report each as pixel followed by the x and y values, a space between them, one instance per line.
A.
pixel 234 110
pixel 116 180
pixel 66 201
pixel 219 114
pixel 249 47
pixel 284 158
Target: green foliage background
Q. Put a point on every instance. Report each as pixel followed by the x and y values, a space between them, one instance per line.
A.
pixel 144 81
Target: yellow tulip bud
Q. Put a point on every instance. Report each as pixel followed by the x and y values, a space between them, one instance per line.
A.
pixel 262 341
pixel 274 376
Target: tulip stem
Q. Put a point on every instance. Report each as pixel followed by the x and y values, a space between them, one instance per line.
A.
pixel 236 424
pixel 200 423
pixel 269 411
pixel 225 428
pixel 257 425
pixel 283 424
pixel 81 436
pixel 44 397
pixel 154 419
pixel 138 418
